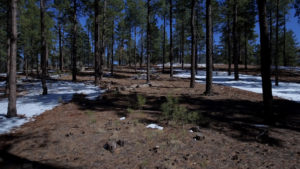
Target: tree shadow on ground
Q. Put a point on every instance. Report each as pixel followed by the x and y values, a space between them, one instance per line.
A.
pixel 239 119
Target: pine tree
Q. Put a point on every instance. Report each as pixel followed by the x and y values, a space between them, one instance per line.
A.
pixel 209 44
pixel 12 99
pixel 265 58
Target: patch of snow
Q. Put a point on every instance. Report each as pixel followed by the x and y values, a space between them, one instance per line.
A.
pixel 289 91
pixel 122 118
pixel 3 74
pixel 260 125
pixel 34 104
pixel 155 126
pixel 191 131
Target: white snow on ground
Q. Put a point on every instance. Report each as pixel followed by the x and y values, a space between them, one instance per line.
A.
pixel 289 91
pixel 289 68
pixel 122 118
pixel 155 126
pixel 34 104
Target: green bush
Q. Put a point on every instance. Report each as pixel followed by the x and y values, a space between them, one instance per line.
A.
pixel 171 110
pixel 141 101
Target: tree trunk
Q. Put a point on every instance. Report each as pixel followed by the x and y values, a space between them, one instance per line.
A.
pixel 271 32
pixel 229 43
pixel 8 46
pixel 285 59
pixel 142 49
pixel 74 44
pixel 44 49
pixel 112 47
pixel 164 45
pixel 246 50
pixel 148 42
pixel 171 39
pixel 12 98
pixel 265 58
pixel 277 43
pixel 103 40
pixel 192 84
pixel 134 48
pixel 235 43
pixel 209 44
pixel 61 59
pixel 196 41
pixel 97 44
pixel 182 44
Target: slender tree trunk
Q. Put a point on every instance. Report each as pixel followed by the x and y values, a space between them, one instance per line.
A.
pixel 229 43
pixel 112 47
pixel 142 49
pixel 196 41
pixel 44 49
pixel 97 43
pixel 209 44
pixel 171 39
pixel 134 48
pixel 61 59
pixel 103 41
pixel 148 41
pixel 12 98
pixel 182 45
pixel 246 50
pixel 265 58
pixel 277 43
pixel 192 84
pixel 235 43
pixel 164 45
pixel 8 27
pixel 285 58
pixel 271 32
pixel 74 43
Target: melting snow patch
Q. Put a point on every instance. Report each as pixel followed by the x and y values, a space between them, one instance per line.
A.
pixel 155 126
pixel 289 91
pixel 122 118
pixel 34 104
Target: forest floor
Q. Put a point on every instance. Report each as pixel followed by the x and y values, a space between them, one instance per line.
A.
pixel 90 134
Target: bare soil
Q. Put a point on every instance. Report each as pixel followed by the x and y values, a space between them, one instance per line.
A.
pixel 76 134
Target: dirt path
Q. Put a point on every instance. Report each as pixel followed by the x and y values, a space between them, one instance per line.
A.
pixel 89 134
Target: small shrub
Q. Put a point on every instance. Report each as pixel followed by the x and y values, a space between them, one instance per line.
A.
pixel 141 101
pixel 171 110
pixel 130 110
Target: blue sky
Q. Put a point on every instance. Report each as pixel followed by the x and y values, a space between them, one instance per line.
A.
pixel 292 24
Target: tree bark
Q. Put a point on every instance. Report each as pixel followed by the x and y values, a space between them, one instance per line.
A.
pixel 229 43
pixel 192 83
pixel 44 49
pixel 97 44
pixel 209 44
pixel 12 98
pixel 171 39
pixel 148 41
pixel 112 47
pixel 265 58
pixel 277 43
pixel 103 41
pixel 235 43
pixel 142 49
pixel 246 50
pixel 74 44
pixel 61 59
pixel 182 44
pixel 285 58
pixel 164 45
pixel 134 48
pixel 8 27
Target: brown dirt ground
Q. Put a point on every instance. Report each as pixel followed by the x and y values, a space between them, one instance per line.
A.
pixel 73 135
